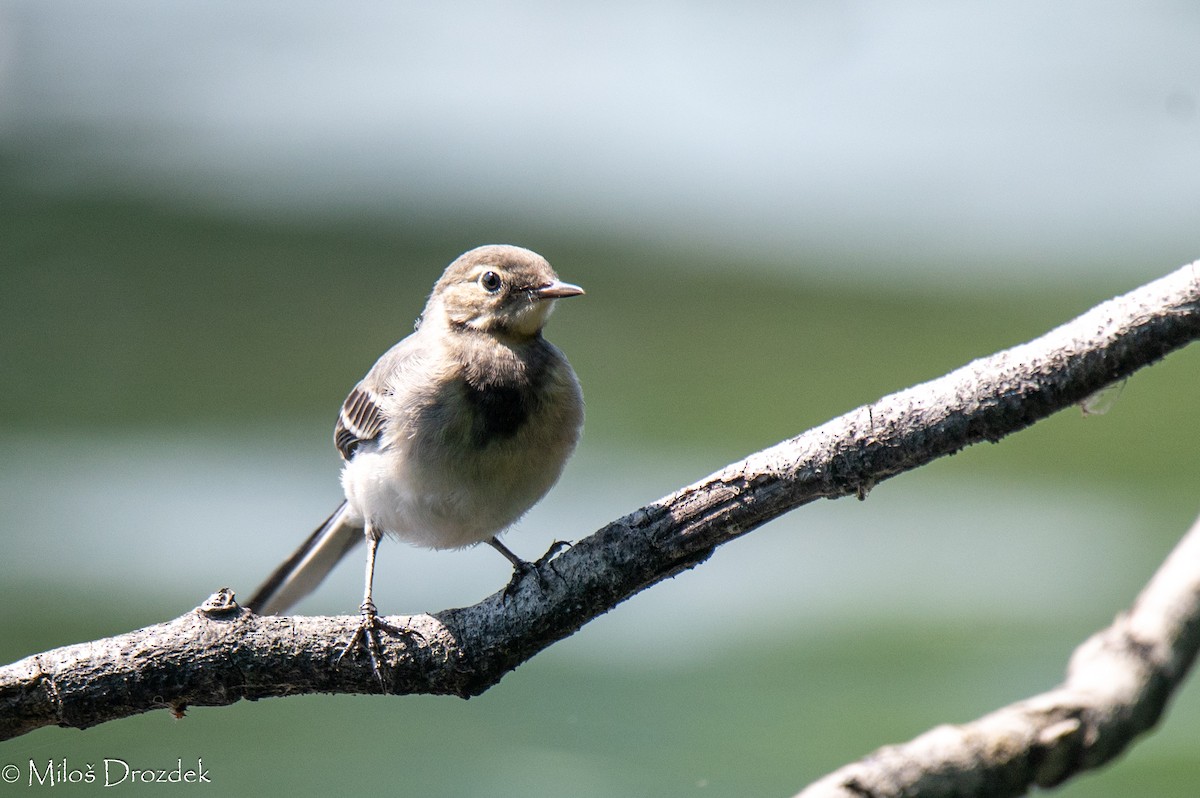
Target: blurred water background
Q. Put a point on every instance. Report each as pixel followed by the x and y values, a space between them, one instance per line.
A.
pixel 214 216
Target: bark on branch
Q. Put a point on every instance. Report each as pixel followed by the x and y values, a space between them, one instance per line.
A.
pixel 218 656
pixel 1118 684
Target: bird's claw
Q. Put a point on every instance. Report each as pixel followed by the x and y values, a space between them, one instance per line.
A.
pixel 523 568
pixel 520 571
pixel 367 636
pixel 554 549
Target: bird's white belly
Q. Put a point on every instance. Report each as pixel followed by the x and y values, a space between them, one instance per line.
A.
pixel 436 507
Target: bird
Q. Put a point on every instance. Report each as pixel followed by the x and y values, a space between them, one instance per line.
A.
pixel 453 434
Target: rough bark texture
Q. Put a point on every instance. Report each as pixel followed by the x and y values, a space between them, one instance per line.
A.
pixel 218 655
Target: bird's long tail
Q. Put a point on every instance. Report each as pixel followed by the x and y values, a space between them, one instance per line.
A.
pixel 300 574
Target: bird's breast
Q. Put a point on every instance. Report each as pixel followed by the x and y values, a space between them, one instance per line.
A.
pixel 494 413
pixel 468 451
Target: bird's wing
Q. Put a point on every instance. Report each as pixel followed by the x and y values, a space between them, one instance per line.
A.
pixel 361 418
pixel 359 421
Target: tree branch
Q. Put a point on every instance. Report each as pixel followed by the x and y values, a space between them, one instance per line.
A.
pixel 1118 684
pixel 215 657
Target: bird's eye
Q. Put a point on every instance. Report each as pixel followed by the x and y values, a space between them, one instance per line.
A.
pixel 490 281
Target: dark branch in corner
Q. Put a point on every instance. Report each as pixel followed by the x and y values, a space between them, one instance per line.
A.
pixel 1117 686
pixel 214 657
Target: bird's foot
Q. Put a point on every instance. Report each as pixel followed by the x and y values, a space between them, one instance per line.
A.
pixel 554 549
pixel 522 568
pixel 367 636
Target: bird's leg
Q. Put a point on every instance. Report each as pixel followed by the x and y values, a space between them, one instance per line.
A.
pixel 517 562
pixel 523 567
pixel 368 631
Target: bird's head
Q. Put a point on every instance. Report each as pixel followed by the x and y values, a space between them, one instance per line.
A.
pixel 502 290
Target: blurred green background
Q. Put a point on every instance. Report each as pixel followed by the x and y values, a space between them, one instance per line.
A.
pixel 214 218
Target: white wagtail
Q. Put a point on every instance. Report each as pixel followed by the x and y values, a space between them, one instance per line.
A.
pixel 455 432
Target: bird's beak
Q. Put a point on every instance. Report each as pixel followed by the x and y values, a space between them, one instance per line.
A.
pixel 556 290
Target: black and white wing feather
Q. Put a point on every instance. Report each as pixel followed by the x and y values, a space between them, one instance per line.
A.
pixel 360 420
